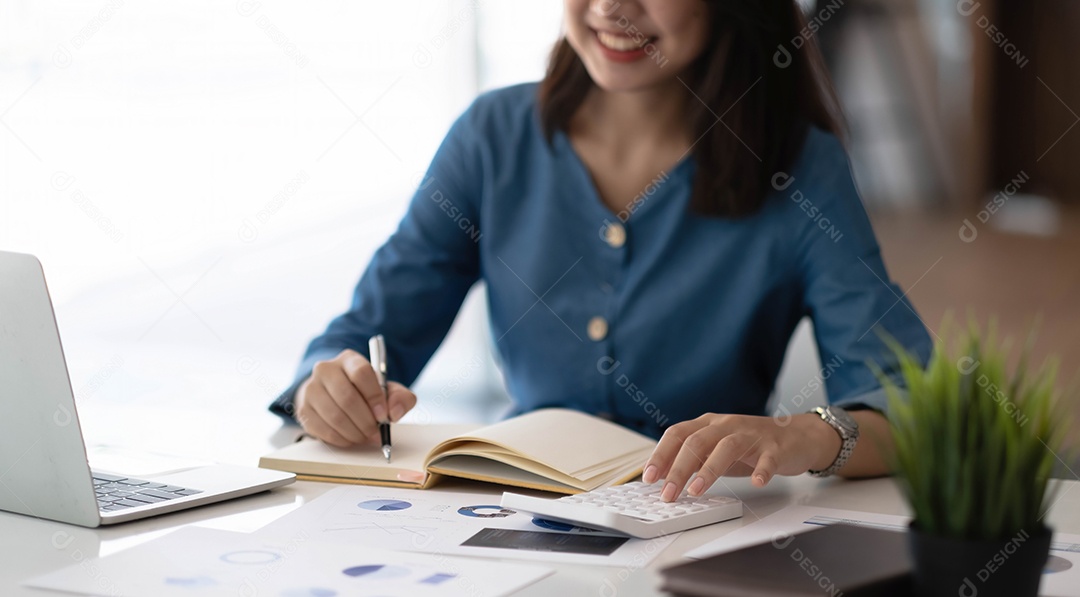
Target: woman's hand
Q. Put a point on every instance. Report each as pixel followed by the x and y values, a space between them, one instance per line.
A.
pixel 342 402
pixel 715 445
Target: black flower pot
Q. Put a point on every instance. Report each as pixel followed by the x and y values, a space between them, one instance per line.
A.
pixel 1010 567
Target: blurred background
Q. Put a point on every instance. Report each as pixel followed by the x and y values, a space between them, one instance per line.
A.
pixel 205 182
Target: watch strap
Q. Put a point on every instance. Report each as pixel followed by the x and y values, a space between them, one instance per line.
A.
pixel 847 442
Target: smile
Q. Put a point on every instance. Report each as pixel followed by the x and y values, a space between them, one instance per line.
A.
pixel 622 43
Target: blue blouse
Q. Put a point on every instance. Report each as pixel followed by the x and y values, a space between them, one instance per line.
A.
pixel 648 317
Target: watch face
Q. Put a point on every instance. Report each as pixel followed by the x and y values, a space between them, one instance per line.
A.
pixel 844 419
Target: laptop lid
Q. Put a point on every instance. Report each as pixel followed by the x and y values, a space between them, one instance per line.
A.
pixel 43 466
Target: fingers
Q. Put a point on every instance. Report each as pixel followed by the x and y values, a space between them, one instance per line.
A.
pixel 342 403
pixel 320 429
pixel 325 408
pixel 670 444
pixel 709 452
pixel 310 393
pixel 401 400
pixel 362 375
pixel 765 469
pixel 728 459
pixel 349 400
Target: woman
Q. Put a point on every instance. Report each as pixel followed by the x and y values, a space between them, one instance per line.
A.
pixel 652 220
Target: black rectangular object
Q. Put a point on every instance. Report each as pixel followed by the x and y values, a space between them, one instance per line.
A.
pixel 552 542
pixel 852 560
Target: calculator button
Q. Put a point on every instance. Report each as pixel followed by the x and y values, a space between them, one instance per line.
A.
pixel 633 509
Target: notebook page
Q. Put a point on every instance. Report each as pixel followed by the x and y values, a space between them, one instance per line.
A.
pixel 565 440
pixel 411 444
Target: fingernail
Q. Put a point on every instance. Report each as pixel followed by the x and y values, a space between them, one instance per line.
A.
pixel 379 411
pixel 760 480
pixel 669 492
pixel 697 487
pixel 397 412
pixel 410 477
pixel 649 476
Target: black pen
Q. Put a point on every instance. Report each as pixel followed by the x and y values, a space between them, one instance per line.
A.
pixel 377 352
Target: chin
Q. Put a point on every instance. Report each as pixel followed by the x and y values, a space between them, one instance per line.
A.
pixel 626 80
pixel 626 86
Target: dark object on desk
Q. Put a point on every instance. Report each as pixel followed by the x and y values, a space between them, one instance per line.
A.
pixel 597 545
pixel 1009 567
pixel 855 561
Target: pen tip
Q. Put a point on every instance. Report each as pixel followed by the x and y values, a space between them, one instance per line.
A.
pixel 386 453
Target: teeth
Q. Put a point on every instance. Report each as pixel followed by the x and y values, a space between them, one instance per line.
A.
pixel 617 42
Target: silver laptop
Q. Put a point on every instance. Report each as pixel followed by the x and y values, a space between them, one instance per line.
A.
pixel 43 466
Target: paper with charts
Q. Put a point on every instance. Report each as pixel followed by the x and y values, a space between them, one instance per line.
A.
pixel 447 522
pixel 1061 575
pixel 210 562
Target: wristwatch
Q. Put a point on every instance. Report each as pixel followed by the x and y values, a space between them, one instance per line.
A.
pixel 848 428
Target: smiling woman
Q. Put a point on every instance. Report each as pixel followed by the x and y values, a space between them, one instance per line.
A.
pixel 725 53
pixel 627 218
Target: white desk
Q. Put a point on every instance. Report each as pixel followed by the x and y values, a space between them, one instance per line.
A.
pixel 29 546
pixel 228 422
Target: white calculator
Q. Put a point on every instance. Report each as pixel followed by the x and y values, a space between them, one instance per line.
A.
pixel 633 509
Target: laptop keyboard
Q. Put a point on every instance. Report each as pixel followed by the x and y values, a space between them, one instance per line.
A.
pixel 117 493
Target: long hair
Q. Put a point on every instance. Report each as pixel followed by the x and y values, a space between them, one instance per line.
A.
pixel 760 83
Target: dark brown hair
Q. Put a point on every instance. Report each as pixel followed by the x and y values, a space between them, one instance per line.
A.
pixel 760 70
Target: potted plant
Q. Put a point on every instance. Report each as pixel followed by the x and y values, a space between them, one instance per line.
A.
pixel 974 450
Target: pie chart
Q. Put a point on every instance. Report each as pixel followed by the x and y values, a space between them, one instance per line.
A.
pixel 1055 564
pixel 384 505
pixel 377 571
pixel 485 511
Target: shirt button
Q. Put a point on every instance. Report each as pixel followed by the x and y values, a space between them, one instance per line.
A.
pixel 615 235
pixel 598 329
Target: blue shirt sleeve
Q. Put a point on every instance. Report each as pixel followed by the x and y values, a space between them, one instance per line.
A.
pixel 415 283
pixel 847 292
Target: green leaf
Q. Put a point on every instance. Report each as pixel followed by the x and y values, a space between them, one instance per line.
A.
pixel 974 445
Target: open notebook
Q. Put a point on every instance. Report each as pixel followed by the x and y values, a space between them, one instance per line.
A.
pixel 552 450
